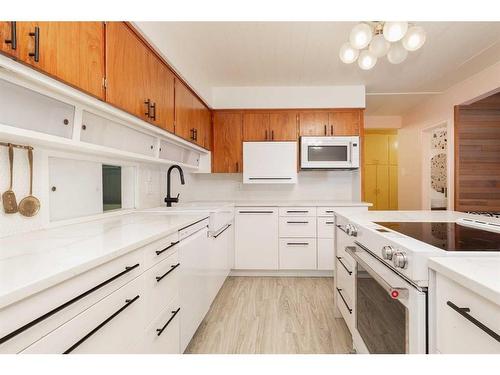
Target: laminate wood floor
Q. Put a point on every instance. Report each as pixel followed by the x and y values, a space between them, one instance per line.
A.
pixel 275 315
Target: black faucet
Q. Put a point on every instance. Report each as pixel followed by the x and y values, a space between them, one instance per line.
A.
pixel 169 199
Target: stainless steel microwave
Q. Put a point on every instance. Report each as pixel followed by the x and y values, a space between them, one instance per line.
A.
pixel 329 152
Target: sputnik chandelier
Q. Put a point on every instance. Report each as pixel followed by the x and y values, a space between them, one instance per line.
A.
pixel 369 41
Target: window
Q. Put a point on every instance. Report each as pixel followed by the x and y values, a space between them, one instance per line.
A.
pixel 111 187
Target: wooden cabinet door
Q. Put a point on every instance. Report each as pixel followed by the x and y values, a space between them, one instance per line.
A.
pixel 204 126
pixel 9 38
pixel 344 123
pixel 283 126
pixel 161 87
pixel 126 59
pixel 184 112
pixel 383 192
pixel 313 123
pixel 376 149
pixel 70 51
pixel 371 185
pixel 256 127
pixel 227 142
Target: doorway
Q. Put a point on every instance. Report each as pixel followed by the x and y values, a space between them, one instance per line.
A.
pixel 435 168
pixel 380 182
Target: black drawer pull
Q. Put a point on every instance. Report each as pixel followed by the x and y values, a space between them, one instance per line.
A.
pixel 297 212
pixel 343 265
pixel 329 212
pixel 172 244
pixel 329 222
pixel 148 108
pixel 343 299
pixel 36 53
pixel 160 330
pixel 222 231
pixel 153 107
pixel 64 305
pixel 255 212
pixel 13 36
pixel 128 302
pixel 464 311
pixel 297 222
pixel 297 243
pixel 172 267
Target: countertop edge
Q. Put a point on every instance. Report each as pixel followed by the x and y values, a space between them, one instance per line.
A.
pixel 467 282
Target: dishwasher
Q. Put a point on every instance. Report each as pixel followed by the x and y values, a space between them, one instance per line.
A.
pixel 193 294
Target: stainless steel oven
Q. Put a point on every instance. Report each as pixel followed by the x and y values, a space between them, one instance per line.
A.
pixel 390 309
pixel 329 152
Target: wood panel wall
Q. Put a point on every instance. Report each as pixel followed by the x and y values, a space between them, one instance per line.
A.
pixel 477 157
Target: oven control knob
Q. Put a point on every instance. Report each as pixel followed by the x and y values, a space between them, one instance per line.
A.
pixel 387 252
pixel 351 230
pixel 400 260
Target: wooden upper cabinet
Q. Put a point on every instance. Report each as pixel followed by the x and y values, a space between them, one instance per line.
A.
pixel 314 123
pixel 70 51
pixel 184 111
pixel 283 126
pixel 8 38
pixel 127 85
pixel 256 127
pixel 202 124
pixel 227 143
pixel 345 122
pixel 160 89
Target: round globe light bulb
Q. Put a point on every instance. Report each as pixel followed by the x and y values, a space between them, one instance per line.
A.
pixel 366 60
pixel 414 38
pixel 397 53
pixel 360 36
pixel 379 46
pixel 394 31
pixel 348 54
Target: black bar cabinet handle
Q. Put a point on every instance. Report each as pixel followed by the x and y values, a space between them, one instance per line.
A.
pixel 297 212
pixel 265 135
pixel 343 299
pixel 343 265
pixel 36 53
pixel 153 108
pixel 66 304
pixel 329 212
pixel 255 212
pixel 297 222
pixel 331 129
pixel 464 312
pixel 148 108
pixel 325 129
pixel 297 243
pixel 172 267
pixel 172 244
pixel 174 313
pixel 13 36
pixel 329 222
pixel 272 134
pixel 128 302
pixel 222 231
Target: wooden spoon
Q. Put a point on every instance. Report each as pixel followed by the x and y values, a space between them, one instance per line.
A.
pixel 9 197
pixel 30 205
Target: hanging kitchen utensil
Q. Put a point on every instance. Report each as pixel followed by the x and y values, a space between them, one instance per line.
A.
pixel 9 197
pixel 30 205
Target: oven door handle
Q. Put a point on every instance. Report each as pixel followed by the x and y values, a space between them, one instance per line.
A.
pixel 394 292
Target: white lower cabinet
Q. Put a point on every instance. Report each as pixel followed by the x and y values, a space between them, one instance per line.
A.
pixel 113 325
pixel 162 336
pixel 326 254
pixel 256 238
pixel 464 322
pixel 297 253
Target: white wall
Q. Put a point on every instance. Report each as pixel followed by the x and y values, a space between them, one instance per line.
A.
pixel 383 122
pixel 433 112
pixel 289 97
pixel 312 185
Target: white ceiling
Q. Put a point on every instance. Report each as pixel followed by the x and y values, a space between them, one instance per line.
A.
pixel 218 54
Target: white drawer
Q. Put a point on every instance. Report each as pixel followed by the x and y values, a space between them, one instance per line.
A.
pixel 162 336
pixel 325 211
pixel 57 305
pixel 161 286
pixel 297 211
pixel 297 254
pixel 299 226
pixel 159 250
pixel 326 227
pixel 345 309
pixel 455 333
pixel 113 325
pixel 345 280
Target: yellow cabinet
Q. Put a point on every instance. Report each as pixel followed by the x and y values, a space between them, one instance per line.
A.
pixel 376 149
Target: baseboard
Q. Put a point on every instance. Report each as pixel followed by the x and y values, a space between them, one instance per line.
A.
pixel 283 273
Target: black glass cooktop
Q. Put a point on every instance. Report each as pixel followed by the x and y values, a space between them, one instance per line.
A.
pixel 448 236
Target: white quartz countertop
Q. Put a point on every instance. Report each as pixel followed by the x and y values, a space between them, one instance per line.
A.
pixel 35 261
pixel 479 274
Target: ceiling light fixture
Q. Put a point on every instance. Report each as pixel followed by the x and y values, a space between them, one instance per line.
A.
pixel 369 41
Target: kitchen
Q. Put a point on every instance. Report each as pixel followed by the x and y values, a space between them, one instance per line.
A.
pixel 160 196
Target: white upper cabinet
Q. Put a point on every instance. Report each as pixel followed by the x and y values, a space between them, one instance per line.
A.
pixel 27 109
pixel 270 162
